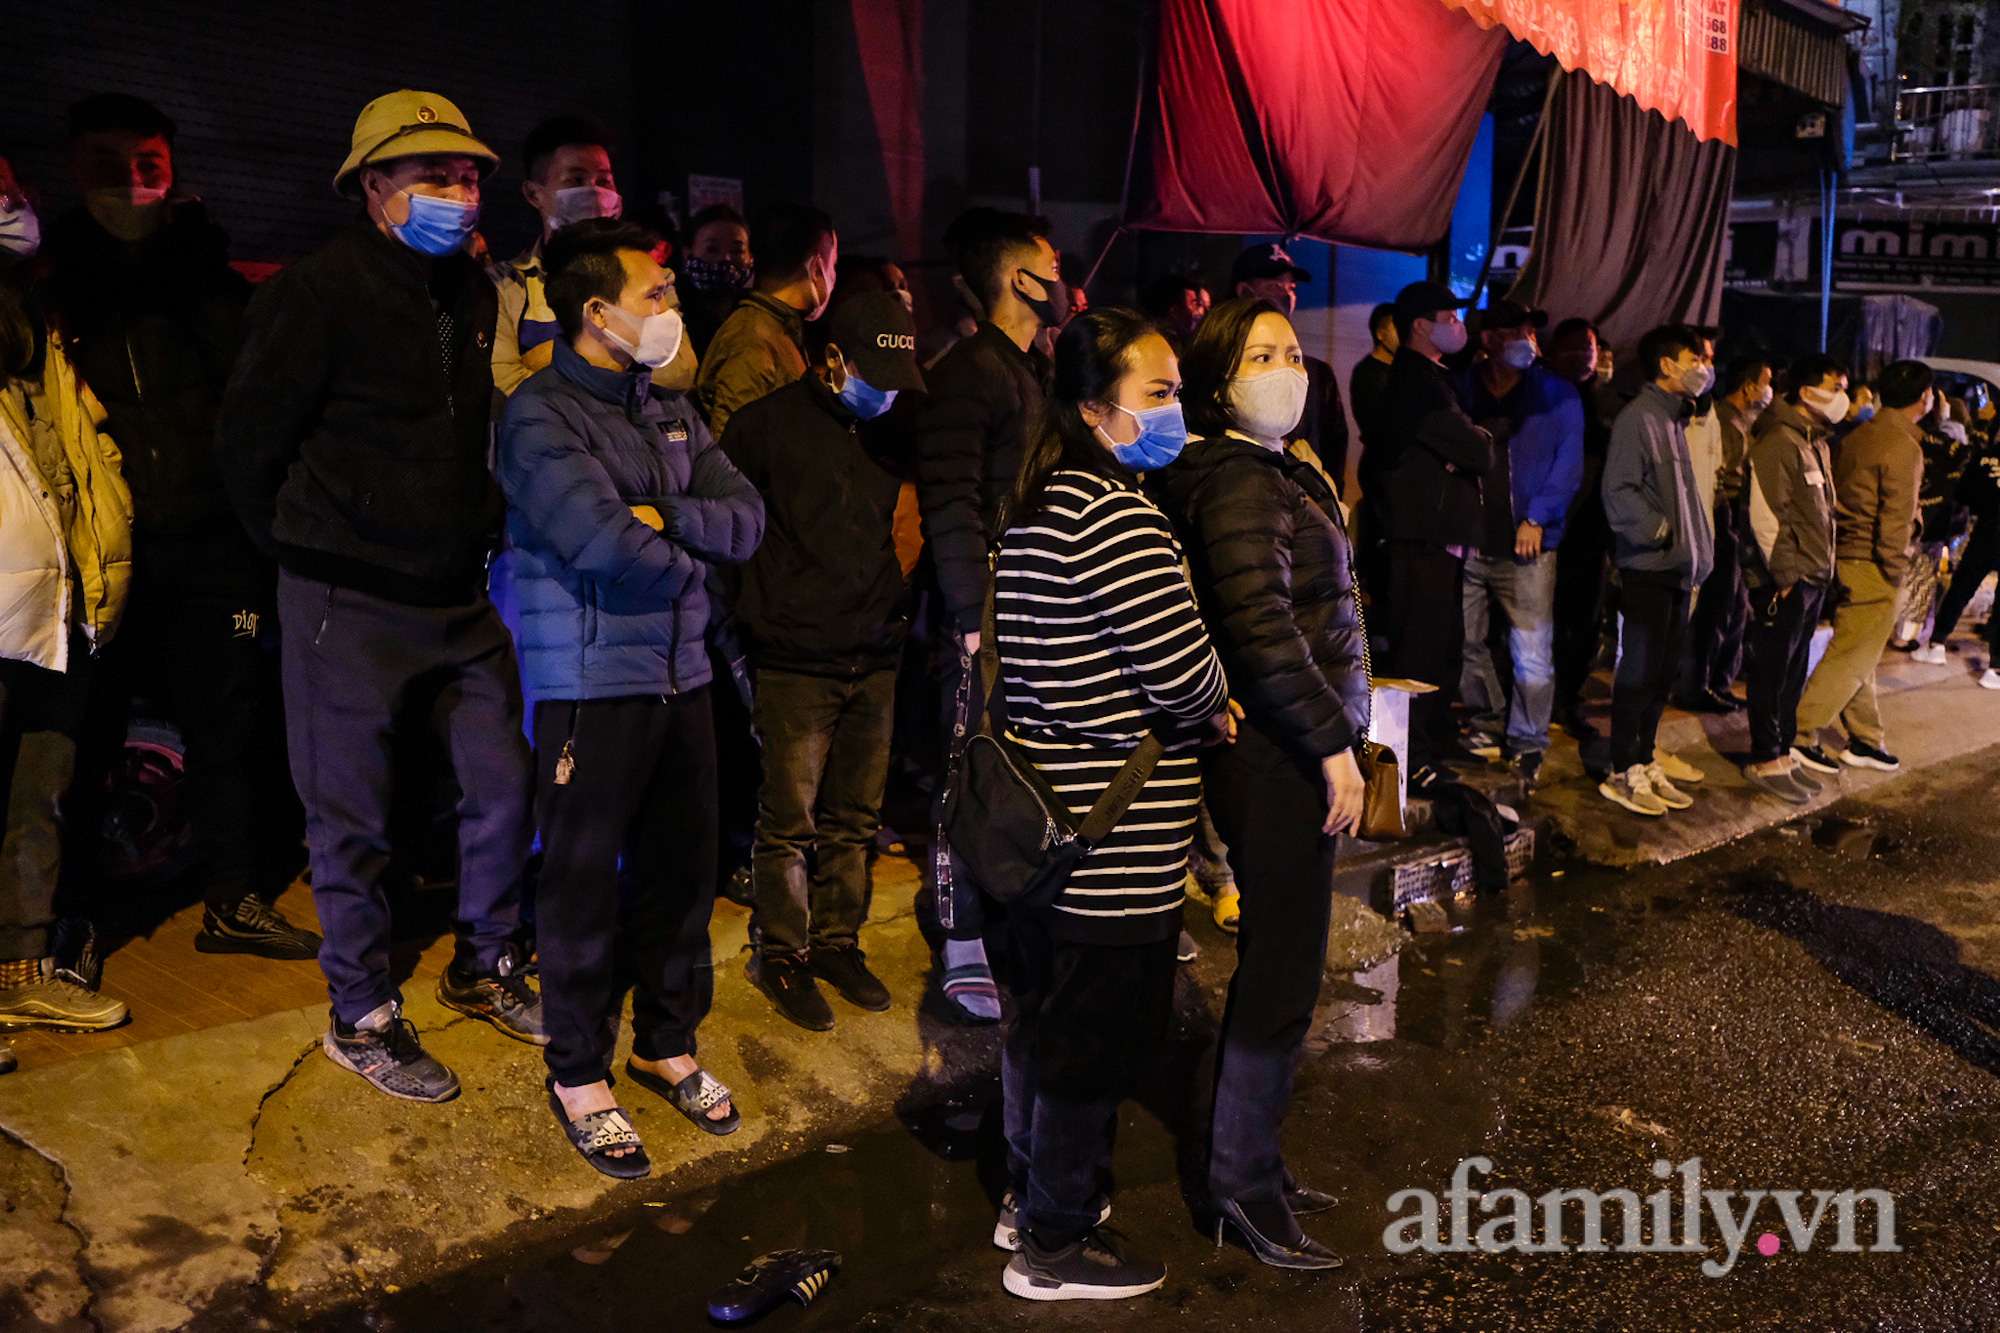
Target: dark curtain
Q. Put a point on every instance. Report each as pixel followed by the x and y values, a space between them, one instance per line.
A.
pixel 1631 217
pixel 1348 120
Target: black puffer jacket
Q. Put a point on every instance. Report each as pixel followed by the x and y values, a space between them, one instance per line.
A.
pixel 1274 574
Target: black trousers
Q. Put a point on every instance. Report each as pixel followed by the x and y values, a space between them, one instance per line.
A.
pixel 199 647
pixel 1654 609
pixel 1980 557
pixel 826 762
pixel 1087 1021
pixel 41 714
pixel 1780 647
pixel 1426 634
pixel 353 662
pixel 1268 805
pixel 1581 561
pixel 642 791
pixel 1719 624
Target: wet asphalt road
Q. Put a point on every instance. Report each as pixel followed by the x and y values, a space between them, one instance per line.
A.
pixel 1812 1008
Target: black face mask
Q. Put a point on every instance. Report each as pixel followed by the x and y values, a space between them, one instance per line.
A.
pixel 1052 307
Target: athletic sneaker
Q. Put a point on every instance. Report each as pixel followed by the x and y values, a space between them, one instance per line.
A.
pixel 1783 784
pixel 1632 789
pixel 1186 951
pixel 501 997
pixel 1481 746
pixel 1930 654
pixel 1666 792
pixel 1676 768
pixel 1815 758
pixel 789 982
pixel 1087 1269
pixel 383 1048
pixel 845 968
pixel 1007 1229
pixel 35 994
pixel 1991 680
pixel 1860 754
pixel 253 926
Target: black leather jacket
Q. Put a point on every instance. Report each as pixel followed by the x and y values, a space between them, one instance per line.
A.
pixel 1275 578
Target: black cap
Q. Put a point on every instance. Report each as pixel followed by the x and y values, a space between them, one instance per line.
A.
pixel 879 339
pixel 1422 299
pixel 1266 261
pixel 1513 315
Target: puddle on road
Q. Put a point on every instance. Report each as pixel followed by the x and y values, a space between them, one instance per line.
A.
pixel 908 1198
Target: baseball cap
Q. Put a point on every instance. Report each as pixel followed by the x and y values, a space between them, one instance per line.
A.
pixel 408 123
pixel 878 338
pixel 1266 261
pixel 1421 299
pixel 1513 315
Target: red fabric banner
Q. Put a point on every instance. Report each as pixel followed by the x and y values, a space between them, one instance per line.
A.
pixel 1348 120
pixel 1676 57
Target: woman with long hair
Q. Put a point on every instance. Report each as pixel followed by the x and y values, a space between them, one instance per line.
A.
pixel 1099 642
pixel 1275 575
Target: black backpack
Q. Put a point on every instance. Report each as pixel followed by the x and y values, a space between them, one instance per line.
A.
pixel 1014 836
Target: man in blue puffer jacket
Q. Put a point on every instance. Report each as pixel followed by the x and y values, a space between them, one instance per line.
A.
pixel 618 503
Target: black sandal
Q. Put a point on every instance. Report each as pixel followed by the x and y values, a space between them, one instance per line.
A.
pixel 594 1135
pixel 694 1097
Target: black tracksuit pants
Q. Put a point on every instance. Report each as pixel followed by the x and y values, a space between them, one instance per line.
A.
pixel 1269 805
pixel 1780 647
pixel 642 793
pixel 1654 611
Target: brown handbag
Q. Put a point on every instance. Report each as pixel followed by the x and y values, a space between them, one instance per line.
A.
pixel 1381 776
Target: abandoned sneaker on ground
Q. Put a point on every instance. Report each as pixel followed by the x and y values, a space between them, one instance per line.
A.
pixel 33 993
pixel 253 926
pixel 503 997
pixel 1089 1268
pixel 383 1048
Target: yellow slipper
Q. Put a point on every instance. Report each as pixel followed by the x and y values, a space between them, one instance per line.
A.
pixel 1228 910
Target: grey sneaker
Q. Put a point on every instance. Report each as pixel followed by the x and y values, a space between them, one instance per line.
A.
pixel 1007 1229
pixel 253 926
pixel 57 999
pixel 502 997
pixel 1782 785
pixel 383 1048
pixel 1087 1269
pixel 1633 790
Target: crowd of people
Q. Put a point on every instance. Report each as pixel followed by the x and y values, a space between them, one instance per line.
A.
pixel 644 530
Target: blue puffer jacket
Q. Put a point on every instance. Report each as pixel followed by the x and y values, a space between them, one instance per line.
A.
pixel 610 607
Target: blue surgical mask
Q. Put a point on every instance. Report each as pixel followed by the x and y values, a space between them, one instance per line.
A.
pixel 436 226
pixel 863 399
pixel 1162 436
pixel 1865 411
pixel 1518 353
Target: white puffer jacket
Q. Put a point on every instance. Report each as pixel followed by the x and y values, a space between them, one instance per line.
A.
pixel 42 566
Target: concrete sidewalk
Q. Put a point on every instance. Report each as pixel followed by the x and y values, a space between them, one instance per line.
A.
pixel 232 1177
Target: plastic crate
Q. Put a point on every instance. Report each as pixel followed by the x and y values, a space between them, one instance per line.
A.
pixel 1436 878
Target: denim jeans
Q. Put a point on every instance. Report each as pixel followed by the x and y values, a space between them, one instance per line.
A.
pixel 826 762
pixel 1525 593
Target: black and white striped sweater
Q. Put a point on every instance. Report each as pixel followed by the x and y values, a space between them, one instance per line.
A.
pixel 1099 641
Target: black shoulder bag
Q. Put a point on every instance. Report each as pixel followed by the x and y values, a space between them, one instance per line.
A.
pixel 1016 839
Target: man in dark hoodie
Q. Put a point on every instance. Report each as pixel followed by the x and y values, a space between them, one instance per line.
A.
pixel 354 441
pixel 1431 515
pixel 139 283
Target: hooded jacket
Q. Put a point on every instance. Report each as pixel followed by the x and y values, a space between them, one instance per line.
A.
pixel 1435 457
pixel 354 442
pixel 61 538
pixel 153 329
pixel 1274 576
pixel 1791 500
pixel 1651 501
pixel 610 607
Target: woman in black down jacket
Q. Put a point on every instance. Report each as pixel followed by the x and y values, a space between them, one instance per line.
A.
pixel 1274 574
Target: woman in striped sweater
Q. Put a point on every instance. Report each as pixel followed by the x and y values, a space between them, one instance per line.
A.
pixel 1099 642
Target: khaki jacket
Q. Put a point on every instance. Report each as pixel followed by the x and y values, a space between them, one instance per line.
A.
pixel 1877 477
pixel 46 563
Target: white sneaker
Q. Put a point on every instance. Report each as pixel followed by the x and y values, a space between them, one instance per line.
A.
pixel 1991 680
pixel 1669 795
pixel 1674 767
pixel 1633 790
pixel 1930 654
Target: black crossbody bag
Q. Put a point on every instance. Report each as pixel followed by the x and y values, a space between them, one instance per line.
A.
pixel 1014 836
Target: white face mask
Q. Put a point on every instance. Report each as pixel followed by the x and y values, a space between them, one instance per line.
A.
pixel 1829 405
pixel 584 201
pixel 131 213
pixel 659 337
pixel 1448 337
pixel 20 231
pixel 821 274
pixel 1763 398
pixel 1267 406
